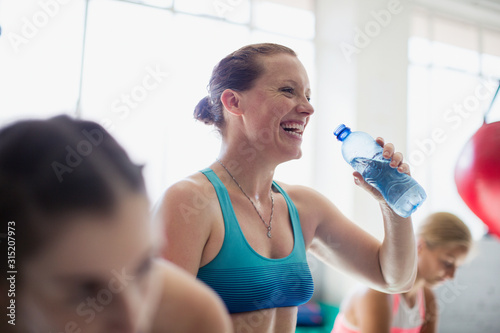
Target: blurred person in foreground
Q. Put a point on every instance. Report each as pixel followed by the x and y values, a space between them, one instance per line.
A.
pixel 84 245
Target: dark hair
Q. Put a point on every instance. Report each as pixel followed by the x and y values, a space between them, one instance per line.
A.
pixel 237 71
pixel 55 167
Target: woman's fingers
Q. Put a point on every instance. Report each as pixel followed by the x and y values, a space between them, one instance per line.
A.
pixel 396 158
pixel 358 180
pixel 380 141
pixel 388 150
pixel 404 168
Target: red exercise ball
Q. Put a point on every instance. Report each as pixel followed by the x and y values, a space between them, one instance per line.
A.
pixel 477 175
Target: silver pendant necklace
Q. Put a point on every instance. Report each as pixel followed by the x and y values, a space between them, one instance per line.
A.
pixel 268 226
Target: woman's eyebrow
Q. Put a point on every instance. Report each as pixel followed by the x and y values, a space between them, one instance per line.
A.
pixel 288 81
pixel 293 82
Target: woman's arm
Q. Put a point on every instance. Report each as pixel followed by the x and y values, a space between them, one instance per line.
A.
pixel 389 266
pixel 344 245
pixel 431 312
pixel 184 216
pixel 397 255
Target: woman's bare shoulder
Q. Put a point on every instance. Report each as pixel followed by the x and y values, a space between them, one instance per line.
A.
pixel 364 304
pixel 187 198
pixel 301 194
pixel 196 182
pixel 370 294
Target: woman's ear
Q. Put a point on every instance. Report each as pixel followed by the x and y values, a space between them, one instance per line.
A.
pixel 232 101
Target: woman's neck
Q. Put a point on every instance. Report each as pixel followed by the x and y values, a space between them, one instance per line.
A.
pixel 411 294
pixel 252 171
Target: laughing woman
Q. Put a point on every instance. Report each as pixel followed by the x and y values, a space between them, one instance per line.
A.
pixel 246 235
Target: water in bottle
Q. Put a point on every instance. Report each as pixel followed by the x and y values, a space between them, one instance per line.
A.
pixel 401 192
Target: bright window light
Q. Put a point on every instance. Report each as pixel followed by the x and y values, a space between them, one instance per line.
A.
pixel 445 108
pixel 232 10
pixel 283 19
pixel 146 66
pixel 40 59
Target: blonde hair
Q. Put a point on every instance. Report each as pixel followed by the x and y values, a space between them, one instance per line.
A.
pixel 444 229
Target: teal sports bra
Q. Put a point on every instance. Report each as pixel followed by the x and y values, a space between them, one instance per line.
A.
pixel 247 281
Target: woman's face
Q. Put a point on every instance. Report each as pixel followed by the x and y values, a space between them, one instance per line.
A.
pixel 95 276
pixel 438 264
pixel 277 109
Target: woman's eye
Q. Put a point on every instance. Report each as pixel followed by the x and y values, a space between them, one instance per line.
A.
pixel 82 292
pixel 145 267
pixel 287 90
pixel 447 264
pixel 308 98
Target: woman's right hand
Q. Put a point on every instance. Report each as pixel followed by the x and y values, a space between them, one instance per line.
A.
pixel 396 159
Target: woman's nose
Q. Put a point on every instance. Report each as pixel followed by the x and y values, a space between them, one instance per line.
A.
pixel 450 272
pixel 124 312
pixel 306 107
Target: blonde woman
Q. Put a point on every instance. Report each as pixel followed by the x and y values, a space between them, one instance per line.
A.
pixel 443 242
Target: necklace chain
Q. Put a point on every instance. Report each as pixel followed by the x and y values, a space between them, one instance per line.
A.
pixel 268 226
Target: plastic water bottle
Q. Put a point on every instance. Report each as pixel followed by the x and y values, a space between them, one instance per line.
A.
pixel 401 192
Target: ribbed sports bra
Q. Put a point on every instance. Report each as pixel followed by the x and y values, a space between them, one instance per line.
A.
pixel 247 281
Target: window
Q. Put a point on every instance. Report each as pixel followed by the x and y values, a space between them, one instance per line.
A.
pixel 453 74
pixel 146 66
pixel 40 52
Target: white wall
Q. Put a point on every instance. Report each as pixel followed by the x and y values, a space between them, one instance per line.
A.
pixel 361 80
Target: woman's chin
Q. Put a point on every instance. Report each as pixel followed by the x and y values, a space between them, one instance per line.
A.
pixel 288 153
pixel 294 155
pixel 435 283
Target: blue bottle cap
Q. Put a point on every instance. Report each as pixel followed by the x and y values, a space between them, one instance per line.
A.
pixel 341 132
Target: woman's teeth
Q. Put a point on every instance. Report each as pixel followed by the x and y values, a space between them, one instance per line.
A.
pixel 294 129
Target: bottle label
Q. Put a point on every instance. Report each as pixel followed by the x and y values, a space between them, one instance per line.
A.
pixel 392 184
pixel 360 163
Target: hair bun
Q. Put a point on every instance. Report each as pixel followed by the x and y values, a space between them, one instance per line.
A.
pixel 237 71
pixel 203 111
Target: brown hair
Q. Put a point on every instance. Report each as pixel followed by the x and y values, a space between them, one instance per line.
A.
pixel 237 71
pixel 47 173
pixel 445 229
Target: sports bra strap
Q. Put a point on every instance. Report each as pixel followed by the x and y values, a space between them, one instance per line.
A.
pixel 395 303
pixel 421 300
